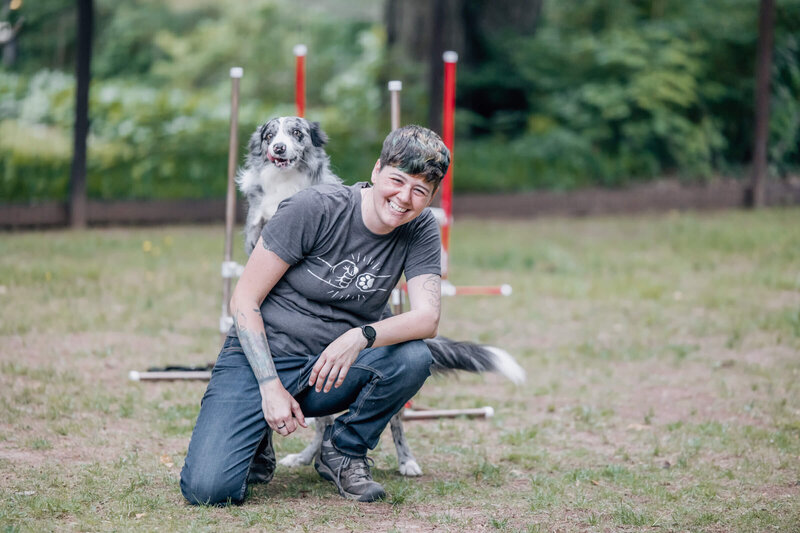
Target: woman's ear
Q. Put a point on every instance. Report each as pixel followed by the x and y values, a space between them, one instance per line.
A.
pixel 375 170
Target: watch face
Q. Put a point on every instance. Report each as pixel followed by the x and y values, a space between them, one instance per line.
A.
pixel 370 334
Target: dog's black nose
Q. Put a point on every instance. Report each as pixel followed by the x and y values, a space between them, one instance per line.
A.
pixel 279 148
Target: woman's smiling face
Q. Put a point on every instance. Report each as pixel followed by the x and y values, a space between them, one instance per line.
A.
pixel 395 199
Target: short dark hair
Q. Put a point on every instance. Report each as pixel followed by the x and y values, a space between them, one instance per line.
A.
pixel 416 151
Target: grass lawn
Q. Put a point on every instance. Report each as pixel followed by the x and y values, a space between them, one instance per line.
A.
pixel 663 393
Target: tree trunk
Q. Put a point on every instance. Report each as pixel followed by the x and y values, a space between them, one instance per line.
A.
pixel 766 24
pixel 435 66
pixel 77 207
pixel 10 42
pixel 422 30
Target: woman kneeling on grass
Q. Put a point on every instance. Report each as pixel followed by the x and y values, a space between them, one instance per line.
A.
pixel 309 336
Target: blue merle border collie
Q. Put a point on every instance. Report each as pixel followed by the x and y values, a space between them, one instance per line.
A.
pixel 286 155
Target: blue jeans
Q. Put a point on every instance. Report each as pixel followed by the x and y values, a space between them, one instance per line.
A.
pixel 231 425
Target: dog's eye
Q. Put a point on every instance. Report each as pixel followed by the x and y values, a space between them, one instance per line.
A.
pixel 268 137
pixel 298 134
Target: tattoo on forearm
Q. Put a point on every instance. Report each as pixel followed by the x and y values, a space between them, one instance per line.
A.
pixel 256 348
pixel 433 286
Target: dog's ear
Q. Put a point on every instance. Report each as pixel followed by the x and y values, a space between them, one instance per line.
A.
pixel 256 139
pixel 318 137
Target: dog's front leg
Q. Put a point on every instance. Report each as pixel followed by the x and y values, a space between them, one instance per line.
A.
pixel 252 233
pixel 307 455
pixel 408 465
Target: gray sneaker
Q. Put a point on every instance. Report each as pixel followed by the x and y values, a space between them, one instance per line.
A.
pixel 263 467
pixel 350 474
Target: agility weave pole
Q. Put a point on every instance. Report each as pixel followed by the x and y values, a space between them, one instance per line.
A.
pixel 409 413
pixel 230 269
pixel 418 413
pixel 448 133
pixel 450 59
pixel 170 375
pixel 300 51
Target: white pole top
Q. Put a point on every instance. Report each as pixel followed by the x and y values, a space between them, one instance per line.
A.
pixel 450 57
pixel 237 72
pixel 300 50
pixel 395 85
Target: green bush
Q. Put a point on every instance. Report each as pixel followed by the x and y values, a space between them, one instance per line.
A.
pixel 34 162
pixel 168 142
pixel 144 143
pixel 634 95
pixel 627 90
pixel 159 108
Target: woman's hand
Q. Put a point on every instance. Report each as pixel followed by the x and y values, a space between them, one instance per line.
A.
pixel 332 366
pixel 281 410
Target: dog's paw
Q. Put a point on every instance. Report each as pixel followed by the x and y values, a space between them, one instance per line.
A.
pixel 409 468
pixel 294 459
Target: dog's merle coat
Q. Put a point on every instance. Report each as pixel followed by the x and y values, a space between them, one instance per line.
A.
pixel 287 155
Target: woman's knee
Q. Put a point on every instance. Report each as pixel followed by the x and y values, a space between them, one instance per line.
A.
pixel 419 356
pixel 211 487
pixel 412 358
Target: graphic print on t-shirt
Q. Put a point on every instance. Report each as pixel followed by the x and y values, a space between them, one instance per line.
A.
pixel 340 276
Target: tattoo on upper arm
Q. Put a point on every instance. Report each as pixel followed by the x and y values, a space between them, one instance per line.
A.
pixel 264 244
pixel 433 287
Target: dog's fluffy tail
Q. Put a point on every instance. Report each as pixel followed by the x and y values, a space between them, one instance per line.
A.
pixel 449 355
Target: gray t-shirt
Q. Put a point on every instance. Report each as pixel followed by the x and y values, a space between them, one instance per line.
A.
pixel 341 274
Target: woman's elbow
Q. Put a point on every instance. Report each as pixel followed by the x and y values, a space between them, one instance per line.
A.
pixel 234 303
pixel 432 322
pixel 238 301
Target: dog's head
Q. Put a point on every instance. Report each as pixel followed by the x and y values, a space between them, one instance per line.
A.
pixel 286 142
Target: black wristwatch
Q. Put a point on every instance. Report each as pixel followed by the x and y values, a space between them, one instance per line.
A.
pixel 369 334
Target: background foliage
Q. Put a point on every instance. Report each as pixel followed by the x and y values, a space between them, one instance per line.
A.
pixel 602 92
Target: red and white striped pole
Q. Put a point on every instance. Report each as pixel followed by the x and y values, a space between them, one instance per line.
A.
pixel 300 51
pixel 448 134
pixel 448 289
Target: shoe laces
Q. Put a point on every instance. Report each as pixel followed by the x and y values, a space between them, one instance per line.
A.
pixel 358 468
